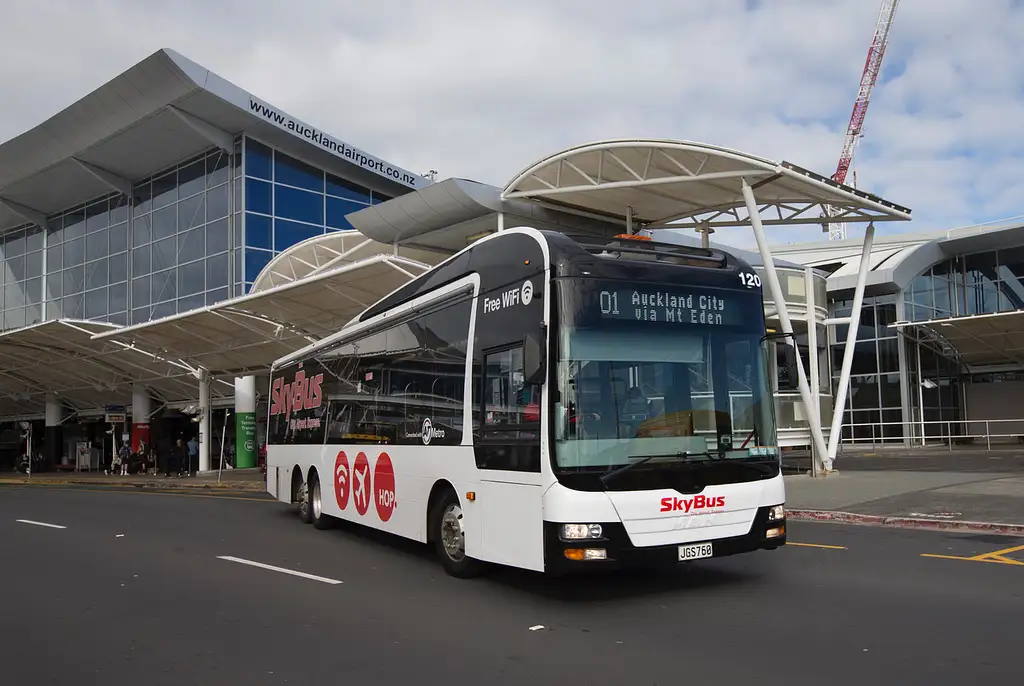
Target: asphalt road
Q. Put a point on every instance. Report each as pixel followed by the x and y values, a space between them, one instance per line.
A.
pixel 133 591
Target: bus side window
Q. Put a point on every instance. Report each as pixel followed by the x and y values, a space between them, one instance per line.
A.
pixel 510 435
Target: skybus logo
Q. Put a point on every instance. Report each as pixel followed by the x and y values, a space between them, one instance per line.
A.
pixel 303 393
pixel 697 502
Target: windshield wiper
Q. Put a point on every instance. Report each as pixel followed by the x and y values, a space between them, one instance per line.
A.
pixel 619 471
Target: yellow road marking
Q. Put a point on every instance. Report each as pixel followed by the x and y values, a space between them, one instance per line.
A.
pixel 817 545
pixel 997 556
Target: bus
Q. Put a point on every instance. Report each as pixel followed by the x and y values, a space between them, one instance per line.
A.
pixel 547 401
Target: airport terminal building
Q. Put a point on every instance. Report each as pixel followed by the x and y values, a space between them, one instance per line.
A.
pixel 159 227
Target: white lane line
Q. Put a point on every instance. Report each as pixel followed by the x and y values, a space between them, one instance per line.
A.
pixel 29 521
pixel 314 577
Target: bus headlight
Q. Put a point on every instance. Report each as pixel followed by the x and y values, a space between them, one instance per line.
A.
pixel 579 532
pixel 777 513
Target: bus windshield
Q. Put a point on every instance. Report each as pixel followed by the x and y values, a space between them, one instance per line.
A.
pixel 660 370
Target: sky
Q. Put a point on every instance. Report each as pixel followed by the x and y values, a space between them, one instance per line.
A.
pixel 479 89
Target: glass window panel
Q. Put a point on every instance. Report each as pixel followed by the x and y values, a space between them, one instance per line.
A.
pixel 118 236
pixel 192 278
pixel 96 245
pixel 287 234
pixel 96 303
pixel 888 355
pixel 889 384
pixel 118 267
pixel 164 253
pixel 142 198
pixel 14 319
pixel 34 291
pixel 72 306
pixel 217 271
pixel 193 302
pixel 257 159
pixel 191 212
pixel 140 315
pixel 214 297
pixel 864 392
pixel 96 274
pixel 34 239
pixel 378 198
pixel 164 309
pixel 191 178
pixel 141 263
pixel 74 280
pixel 337 209
pixel 255 261
pixel 165 285
pixel 119 318
pixel 217 203
pixel 53 309
pixel 192 244
pixel 74 224
pixel 142 231
pixel 14 295
pixel 96 216
pixel 237 192
pixel 293 172
pixel 14 244
pixel 118 297
pixel 237 275
pixel 258 231
pixel 140 291
pixel 118 209
pixel 217 236
pixel 165 222
pixel 16 268
pixel 349 190
pixel 56 234
pixel 54 285
pixel 292 203
pixel 237 230
pixel 165 190
pixel 33 314
pixel 34 264
pixel 257 196
pixel 217 168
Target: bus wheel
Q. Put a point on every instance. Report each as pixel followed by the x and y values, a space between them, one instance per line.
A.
pixel 450 538
pixel 319 519
pixel 302 493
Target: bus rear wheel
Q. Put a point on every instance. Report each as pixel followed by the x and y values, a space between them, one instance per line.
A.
pixel 316 506
pixel 450 538
pixel 302 495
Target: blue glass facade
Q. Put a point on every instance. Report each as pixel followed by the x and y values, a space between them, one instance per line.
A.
pixel 288 201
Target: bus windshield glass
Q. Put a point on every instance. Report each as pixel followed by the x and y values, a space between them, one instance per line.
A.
pixel 667 370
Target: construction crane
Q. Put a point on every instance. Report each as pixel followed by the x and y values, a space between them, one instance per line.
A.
pixel 837 230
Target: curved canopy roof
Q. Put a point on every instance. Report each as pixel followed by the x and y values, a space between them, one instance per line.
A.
pixel 64 358
pixel 322 253
pixel 678 184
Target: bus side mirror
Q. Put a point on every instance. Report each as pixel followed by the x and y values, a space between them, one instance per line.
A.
pixel 791 374
pixel 534 357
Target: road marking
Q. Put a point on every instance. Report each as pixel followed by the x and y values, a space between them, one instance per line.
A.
pixel 997 556
pixel 817 545
pixel 50 526
pixel 179 493
pixel 314 577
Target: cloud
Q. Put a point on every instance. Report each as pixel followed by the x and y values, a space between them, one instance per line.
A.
pixel 481 88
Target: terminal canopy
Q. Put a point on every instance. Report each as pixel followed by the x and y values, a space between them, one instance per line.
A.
pixel 64 358
pixel 680 184
pixel 979 340
pixel 247 334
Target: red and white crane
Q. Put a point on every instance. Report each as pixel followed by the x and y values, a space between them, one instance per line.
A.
pixel 837 231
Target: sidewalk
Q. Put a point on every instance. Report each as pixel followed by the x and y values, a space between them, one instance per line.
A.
pixel 989 502
pixel 231 479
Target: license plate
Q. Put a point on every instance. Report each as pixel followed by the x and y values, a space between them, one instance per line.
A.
pixel 695 551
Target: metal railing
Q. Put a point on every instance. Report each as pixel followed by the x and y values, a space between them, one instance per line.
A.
pixel 930 433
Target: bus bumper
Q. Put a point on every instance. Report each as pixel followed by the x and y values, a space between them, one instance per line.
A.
pixel 620 553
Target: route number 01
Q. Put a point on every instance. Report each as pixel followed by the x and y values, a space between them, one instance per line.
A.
pixel 750 280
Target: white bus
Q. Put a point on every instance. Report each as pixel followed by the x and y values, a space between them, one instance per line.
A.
pixel 546 401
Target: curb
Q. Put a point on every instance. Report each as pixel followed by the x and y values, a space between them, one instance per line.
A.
pixel 905 522
pixel 222 486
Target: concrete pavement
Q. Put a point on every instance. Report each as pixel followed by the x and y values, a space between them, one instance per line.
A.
pixel 232 479
pixel 136 590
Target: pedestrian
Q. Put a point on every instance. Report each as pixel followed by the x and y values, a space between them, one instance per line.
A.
pixel 193 456
pixel 174 459
pixel 124 455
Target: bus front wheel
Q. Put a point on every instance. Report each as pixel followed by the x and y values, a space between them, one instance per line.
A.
pixel 450 538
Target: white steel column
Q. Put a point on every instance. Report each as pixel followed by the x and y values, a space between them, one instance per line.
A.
pixel 53 434
pixel 204 420
pixel 811 319
pixel 809 399
pixel 851 342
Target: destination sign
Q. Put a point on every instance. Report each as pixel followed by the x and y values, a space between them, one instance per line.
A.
pixel 657 303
